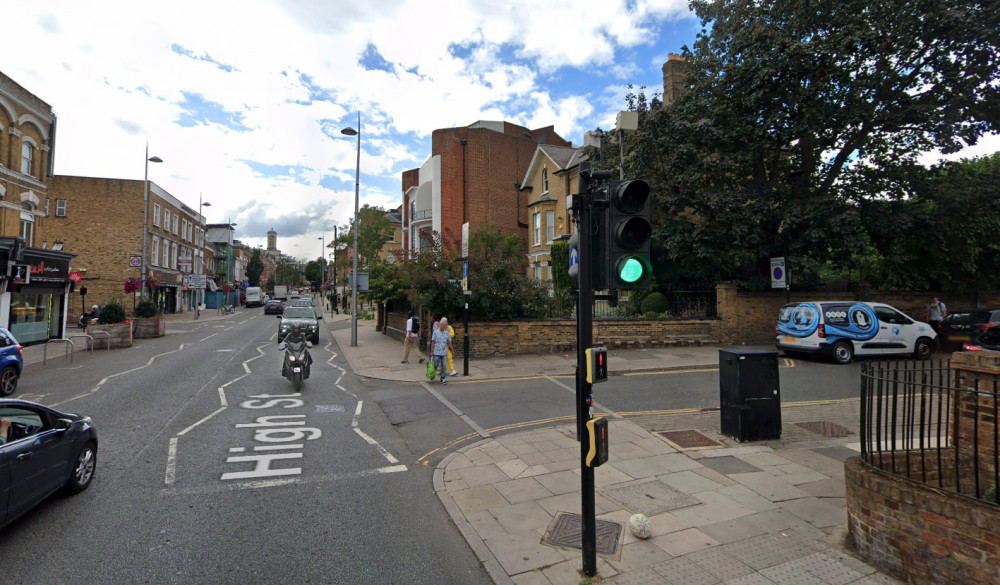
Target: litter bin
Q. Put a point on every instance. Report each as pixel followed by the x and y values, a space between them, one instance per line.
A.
pixel 749 394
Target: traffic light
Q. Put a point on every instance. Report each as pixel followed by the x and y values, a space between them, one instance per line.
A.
pixel 629 232
pixel 597 365
pixel 598 261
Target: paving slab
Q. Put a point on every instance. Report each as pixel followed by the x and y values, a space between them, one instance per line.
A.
pixel 771 488
pixel 683 542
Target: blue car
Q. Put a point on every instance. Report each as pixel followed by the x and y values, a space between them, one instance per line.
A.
pixel 42 451
pixel 11 362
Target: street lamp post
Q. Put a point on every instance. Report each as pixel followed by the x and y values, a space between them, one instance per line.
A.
pixel 322 259
pixel 201 256
pixel 145 218
pixel 354 265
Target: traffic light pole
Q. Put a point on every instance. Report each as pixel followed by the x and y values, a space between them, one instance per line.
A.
pixel 584 390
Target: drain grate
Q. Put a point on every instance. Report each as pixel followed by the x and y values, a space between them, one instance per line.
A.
pixel 826 428
pixel 689 439
pixel 566 530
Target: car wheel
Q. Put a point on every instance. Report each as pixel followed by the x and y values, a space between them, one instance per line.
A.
pixel 843 352
pixel 84 468
pixel 8 381
pixel 924 349
pixel 315 339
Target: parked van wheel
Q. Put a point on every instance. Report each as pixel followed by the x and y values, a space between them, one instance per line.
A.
pixel 924 349
pixel 843 352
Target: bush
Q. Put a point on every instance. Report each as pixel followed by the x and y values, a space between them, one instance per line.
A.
pixel 654 303
pixel 112 312
pixel 651 315
pixel 146 308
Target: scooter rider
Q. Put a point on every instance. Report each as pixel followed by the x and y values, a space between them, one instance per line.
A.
pixel 296 336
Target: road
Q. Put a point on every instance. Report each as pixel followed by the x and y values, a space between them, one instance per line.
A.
pixel 212 470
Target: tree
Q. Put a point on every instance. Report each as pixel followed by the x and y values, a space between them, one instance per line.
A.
pixel 314 272
pixel 271 281
pixel 787 106
pixel 287 271
pixel 255 268
pixel 497 274
pixel 376 230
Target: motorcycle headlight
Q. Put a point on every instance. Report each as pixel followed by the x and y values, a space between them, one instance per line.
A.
pixel 291 358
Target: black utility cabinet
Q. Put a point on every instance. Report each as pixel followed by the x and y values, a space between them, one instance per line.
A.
pixel 749 394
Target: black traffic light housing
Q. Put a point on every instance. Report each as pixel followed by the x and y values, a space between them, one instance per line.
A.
pixel 629 231
pixel 597 365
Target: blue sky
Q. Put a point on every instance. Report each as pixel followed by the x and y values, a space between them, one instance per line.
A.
pixel 244 100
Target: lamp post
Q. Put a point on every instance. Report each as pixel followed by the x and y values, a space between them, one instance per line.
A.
pixel 201 256
pixel 322 259
pixel 354 265
pixel 145 218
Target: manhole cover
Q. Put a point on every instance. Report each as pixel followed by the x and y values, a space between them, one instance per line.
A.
pixel 566 530
pixel 826 428
pixel 688 439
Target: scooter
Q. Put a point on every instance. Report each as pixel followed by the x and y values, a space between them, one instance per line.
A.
pixel 88 318
pixel 297 362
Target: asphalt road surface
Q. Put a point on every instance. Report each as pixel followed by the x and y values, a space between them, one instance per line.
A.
pixel 211 469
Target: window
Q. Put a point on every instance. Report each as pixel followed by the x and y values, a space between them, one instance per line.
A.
pixel 27 228
pixel 27 158
pixel 550 226
pixel 60 208
pixel 155 255
pixel 175 223
pixel 156 214
pixel 184 229
pixel 166 219
pixel 173 255
pixel 545 180
pixel 538 228
pixel 166 255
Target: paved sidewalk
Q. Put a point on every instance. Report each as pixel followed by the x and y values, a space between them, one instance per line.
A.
pixel 762 513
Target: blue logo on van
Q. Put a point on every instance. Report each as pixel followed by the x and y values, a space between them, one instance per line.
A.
pixel 798 320
pixel 856 322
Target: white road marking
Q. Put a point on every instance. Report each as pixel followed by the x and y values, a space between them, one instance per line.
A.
pixel 472 424
pixel 185 431
pixel 222 396
pixel 267 483
pixel 209 337
pixel 105 379
pixel 171 462
pixel 610 412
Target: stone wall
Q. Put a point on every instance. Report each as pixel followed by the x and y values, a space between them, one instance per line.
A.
pixel 919 534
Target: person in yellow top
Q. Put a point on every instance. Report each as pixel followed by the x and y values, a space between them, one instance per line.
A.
pixel 451 354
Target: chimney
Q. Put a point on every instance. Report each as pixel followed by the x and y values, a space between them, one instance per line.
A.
pixel 673 77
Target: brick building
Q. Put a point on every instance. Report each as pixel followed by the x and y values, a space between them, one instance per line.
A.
pixel 34 296
pixel 551 176
pixel 102 221
pixel 392 249
pixel 473 175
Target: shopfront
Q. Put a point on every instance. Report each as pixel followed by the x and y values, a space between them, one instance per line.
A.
pixel 167 293
pixel 39 288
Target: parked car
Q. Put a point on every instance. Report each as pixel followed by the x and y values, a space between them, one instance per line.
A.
pixel 274 307
pixel 304 317
pixel 11 362
pixel 842 329
pixel 45 450
pixel 988 340
pixel 961 327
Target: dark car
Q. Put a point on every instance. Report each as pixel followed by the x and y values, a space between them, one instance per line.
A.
pixel 989 340
pixel 274 307
pixel 305 318
pixel 45 450
pixel 961 327
pixel 11 362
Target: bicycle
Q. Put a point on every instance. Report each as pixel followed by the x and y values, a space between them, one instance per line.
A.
pixel 227 309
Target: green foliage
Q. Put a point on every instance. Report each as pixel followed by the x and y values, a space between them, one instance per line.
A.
pixel 795 116
pixel 651 315
pixel 113 311
pixel 991 494
pixel 497 268
pixel 255 267
pixel 314 272
pixel 376 230
pixel 146 308
pixel 560 265
pixel 654 303
pixel 271 281
pixel 386 283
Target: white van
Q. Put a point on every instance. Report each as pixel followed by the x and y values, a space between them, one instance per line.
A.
pixel 255 297
pixel 843 329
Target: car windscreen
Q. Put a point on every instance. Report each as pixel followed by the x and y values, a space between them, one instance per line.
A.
pixel 299 313
pixel 968 317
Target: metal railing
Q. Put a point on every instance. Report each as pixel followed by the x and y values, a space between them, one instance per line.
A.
pixel 917 423
pixel 681 304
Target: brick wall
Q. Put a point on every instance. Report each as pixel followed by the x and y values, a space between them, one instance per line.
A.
pixel 919 534
pixel 976 411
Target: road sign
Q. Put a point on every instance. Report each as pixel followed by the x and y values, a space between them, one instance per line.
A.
pixel 135 261
pixel 197 281
pixel 465 275
pixel 574 258
pixel 465 240
pixel 779 276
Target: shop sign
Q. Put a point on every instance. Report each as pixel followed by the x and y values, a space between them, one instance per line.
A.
pixel 21 273
pixel 76 277
pixel 47 268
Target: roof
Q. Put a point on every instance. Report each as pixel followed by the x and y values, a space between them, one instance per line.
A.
pixel 563 157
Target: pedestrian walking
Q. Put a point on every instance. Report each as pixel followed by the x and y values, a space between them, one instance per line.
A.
pixel 410 339
pixel 936 312
pixel 441 343
pixel 451 354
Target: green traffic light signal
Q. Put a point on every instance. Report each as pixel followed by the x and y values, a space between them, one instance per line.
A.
pixel 631 271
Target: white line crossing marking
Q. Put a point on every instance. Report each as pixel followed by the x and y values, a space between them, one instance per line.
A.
pixel 171 462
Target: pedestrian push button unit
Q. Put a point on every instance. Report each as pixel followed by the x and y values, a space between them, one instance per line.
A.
pixel 597 365
pixel 597 434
